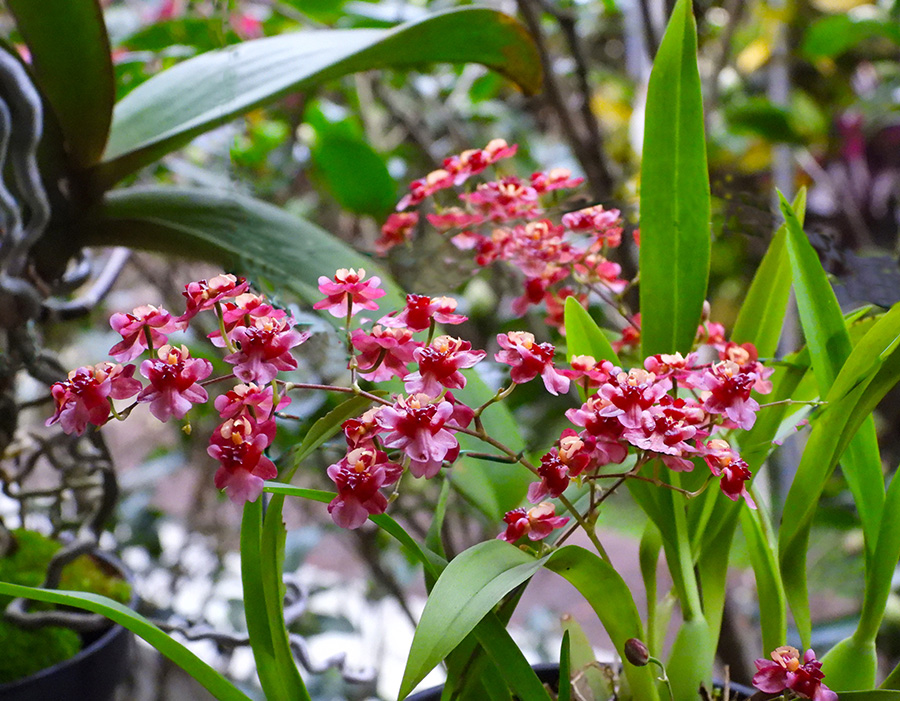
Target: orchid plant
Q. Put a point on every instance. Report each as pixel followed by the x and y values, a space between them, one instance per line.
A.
pixel 664 404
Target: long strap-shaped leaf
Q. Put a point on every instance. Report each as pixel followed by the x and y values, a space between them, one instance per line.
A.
pixel 239 232
pixel 764 307
pixel 263 609
pixel 73 68
pixel 675 207
pixel 205 675
pixel 829 346
pixel 196 95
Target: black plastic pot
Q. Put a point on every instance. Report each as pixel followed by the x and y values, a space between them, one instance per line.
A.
pixel 549 674
pixel 92 674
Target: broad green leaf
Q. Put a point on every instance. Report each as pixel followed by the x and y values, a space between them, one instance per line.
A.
pixel 609 596
pixel 583 336
pixel 354 173
pixel 873 695
pixel 762 311
pixel 882 339
pixel 205 675
pixel 769 589
pixel 201 93
pixel 73 68
pixel 834 35
pixel 470 586
pixel 278 673
pixel 239 232
pixel 675 202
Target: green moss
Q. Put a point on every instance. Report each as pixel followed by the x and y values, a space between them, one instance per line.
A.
pixel 26 652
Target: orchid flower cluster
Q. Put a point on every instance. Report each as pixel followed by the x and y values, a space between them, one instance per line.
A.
pixel 626 411
pixel 258 339
pixel 557 260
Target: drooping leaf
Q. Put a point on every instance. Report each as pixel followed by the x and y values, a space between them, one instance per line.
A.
pixel 205 675
pixel 471 585
pixel 72 65
pixel 201 93
pixel 675 199
pixel 762 312
pixel 241 233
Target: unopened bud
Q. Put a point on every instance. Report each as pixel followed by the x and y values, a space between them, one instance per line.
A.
pixel 636 652
pixel 704 315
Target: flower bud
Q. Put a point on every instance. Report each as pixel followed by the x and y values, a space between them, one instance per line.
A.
pixel 636 652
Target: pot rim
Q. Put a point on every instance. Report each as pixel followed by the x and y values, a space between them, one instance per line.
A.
pixel 104 639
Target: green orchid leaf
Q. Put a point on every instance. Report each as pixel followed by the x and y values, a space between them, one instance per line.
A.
pixel 675 200
pixel 433 539
pixel 432 562
pixel 831 36
pixel 609 596
pixel 691 660
pixel 763 309
pixel 830 347
pixel 770 591
pixel 820 314
pixel 583 336
pixel 502 487
pixel 879 576
pixel 278 673
pixel 72 66
pixel 167 111
pixel 353 173
pixel 470 586
pixel 509 661
pixel 565 670
pixel 324 428
pixel 648 557
pixel 239 232
pixel 205 675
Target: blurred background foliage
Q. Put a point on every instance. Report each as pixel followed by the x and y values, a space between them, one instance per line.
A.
pixel 797 92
